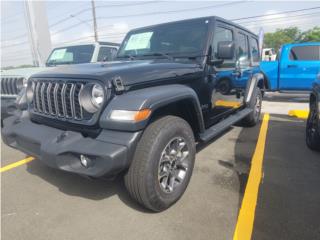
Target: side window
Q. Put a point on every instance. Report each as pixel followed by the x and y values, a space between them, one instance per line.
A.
pixel 305 53
pixel 106 54
pixel 243 50
pixel 222 34
pixel 254 50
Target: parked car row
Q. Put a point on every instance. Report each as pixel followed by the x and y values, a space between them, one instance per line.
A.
pixel 169 87
pixel 14 80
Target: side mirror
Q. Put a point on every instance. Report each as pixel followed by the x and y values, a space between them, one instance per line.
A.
pixel 225 50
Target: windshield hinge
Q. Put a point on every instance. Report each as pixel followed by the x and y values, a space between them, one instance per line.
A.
pixel 118 84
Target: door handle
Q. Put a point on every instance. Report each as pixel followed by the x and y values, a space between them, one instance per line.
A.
pixel 292 66
pixel 236 74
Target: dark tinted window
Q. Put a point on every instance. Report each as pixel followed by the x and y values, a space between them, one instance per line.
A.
pixel 243 49
pixel 305 53
pixel 185 38
pixel 254 49
pixel 106 54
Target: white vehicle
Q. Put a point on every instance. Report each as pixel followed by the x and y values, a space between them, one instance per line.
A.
pixel 269 54
pixel 14 80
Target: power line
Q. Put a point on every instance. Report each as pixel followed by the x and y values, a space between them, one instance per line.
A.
pixel 173 11
pixel 289 21
pixel 67 28
pixel 74 40
pixel 101 6
pixel 153 13
pixel 294 16
pixel 17 58
pixel 15 44
pixel 272 14
pixel 9 18
pixel 14 38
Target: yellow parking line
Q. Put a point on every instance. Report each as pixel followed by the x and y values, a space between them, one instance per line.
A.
pixel 16 164
pixel 303 114
pixel 245 221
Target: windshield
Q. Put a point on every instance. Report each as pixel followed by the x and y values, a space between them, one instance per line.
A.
pixel 71 55
pixel 185 38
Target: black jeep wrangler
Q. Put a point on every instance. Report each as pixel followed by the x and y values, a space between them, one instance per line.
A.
pixel 143 114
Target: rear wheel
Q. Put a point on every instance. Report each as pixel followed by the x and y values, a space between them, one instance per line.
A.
pixel 163 163
pixel 224 86
pixel 255 104
pixel 312 130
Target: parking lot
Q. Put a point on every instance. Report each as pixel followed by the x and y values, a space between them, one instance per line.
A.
pixel 42 203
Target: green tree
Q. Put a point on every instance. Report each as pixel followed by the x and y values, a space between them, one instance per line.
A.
pixel 281 36
pixel 312 35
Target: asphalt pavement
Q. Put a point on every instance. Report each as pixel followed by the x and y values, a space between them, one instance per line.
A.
pixel 43 203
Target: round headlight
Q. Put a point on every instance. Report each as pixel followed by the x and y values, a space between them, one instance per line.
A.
pixel 30 91
pixel 97 95
pixel 22 83
pixel 92 97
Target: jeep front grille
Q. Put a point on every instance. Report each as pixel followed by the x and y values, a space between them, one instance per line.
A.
pixel 59 99
pixel 10 85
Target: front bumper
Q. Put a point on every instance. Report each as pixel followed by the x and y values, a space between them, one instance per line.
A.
pixel 110 152
pixel 8 107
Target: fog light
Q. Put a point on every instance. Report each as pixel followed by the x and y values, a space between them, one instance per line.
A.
pixel 85 161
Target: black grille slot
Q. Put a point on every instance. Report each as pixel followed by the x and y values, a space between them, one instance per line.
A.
pixel 11 85
pixel 58 99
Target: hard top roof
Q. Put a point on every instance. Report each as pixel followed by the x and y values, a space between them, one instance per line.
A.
pixel 214 18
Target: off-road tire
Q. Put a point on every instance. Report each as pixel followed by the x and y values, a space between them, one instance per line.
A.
pixel 141 180
pixel 312 129
pixel 255 104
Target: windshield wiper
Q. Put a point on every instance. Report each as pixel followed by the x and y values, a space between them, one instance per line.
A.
pixel 159 54
pixel 191 57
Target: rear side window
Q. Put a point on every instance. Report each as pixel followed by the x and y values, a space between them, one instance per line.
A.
pixel 305 53
pixel 254 50
pixel 243 49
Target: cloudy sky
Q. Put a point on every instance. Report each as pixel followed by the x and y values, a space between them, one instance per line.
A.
pixel 71 21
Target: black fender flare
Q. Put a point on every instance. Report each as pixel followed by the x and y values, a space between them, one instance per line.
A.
pixel 152 98
pixel 253 82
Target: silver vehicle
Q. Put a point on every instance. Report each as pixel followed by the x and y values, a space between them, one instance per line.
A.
pixel 13 81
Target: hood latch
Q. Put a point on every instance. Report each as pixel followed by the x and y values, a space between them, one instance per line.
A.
pixel 118 84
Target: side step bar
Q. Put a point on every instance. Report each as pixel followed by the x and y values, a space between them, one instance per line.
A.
pixel 220 127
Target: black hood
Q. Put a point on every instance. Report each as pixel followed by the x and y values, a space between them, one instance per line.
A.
pixel 131 72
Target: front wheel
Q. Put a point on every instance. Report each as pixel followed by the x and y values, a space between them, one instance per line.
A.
pixel 312 129
pixel 163 163
pixel 255 104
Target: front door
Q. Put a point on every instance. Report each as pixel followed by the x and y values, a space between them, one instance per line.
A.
pixel 301 68
pixel 225 79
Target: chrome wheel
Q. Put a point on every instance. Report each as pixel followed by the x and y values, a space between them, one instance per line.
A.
pixel 312 124
pixel 257 107
pixel 173 165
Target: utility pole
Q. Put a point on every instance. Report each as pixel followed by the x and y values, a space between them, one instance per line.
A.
pixel 94 21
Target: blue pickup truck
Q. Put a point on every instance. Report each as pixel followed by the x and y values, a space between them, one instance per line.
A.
pixel 295 69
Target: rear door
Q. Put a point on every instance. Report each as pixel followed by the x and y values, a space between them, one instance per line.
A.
pixel 300 69
pixel 243 64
